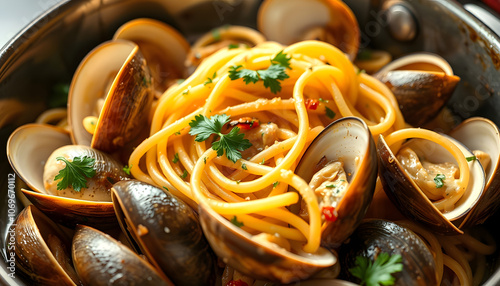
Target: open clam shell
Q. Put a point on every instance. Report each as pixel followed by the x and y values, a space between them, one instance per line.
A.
pixel 422 84
pixel 290 21
pixel 28 149
pixel 479 133
pixel 411 201
pixel 239 250
pixel 347 140
pixel 163 47
pixel 166 230
pixel 112 83
pixel 99 259
pixel 42 249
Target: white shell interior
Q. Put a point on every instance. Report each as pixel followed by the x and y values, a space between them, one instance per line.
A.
pixel 28 149
pixel 480 134
pixel 166 41
pixel 435 153
pixel 346 140
pixel 285 21
pixel 92 81
pixel 427 58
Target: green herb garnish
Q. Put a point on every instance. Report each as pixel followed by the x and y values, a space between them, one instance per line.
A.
pixel 271 76
pixel 244 166
pixel 275 184
pixel 330 113
pixel 439 180
pixel 75 173
pixel 233 46
pixel 176 158
pixel 126 169
pixel 471 158
pixel 235 221
pixel 231 143
pixel 184 174
pixel 377 272
pixel 210 79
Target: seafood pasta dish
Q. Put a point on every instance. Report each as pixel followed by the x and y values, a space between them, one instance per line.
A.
pixel 249 157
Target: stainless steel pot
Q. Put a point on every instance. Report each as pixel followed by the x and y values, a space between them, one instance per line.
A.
pixel 48 51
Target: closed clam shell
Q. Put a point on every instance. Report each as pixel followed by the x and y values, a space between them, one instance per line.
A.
pixel 376 236
pixel 99 259
pixel 166 230
pixel 422 84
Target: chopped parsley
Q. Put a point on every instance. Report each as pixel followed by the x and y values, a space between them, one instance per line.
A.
pixel 330 186
pixel 184 174
pixel 126 169
pixel 210 79
pixel 263 161
pixel 231 143
pixel 271 76
pixel 176 158
pixel 330 113
pixel 244 166
pixel 471 158
pixel 233 46
pixel 439 180
pixel 75 173
pixel 235 221
pixel 275 184
pixel 166 188
pixel 378 272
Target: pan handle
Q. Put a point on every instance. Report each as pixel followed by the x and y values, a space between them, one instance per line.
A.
pixel 488 17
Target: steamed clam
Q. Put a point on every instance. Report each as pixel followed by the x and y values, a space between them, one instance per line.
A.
pixel 101 260
pixel 167 232
pixel 422 84
pixel 289 21
pixel 29 151
pixel 482 136
pixel 376 236
pixel 110 96
pixel 163 47
pixel 43 249
pixel 408 185
pixel 346 189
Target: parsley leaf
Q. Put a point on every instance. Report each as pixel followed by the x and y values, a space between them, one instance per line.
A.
pixel 210 79
pixel 176 158
pixel 471 158
pixel 231 143
pixel 271 76
pixel 75 172
pixel 233 46
pixel 439 180
pixel 377 272
pixel 330 113
pixel 126 169
pixel 282 60
pixel 235 221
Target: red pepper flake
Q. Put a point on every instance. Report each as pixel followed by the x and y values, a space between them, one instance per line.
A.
pixel 245 123
pixel 329 213
pixel 236 283
pixel 312 104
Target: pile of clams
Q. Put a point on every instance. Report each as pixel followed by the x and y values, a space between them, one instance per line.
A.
pixel 75 237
